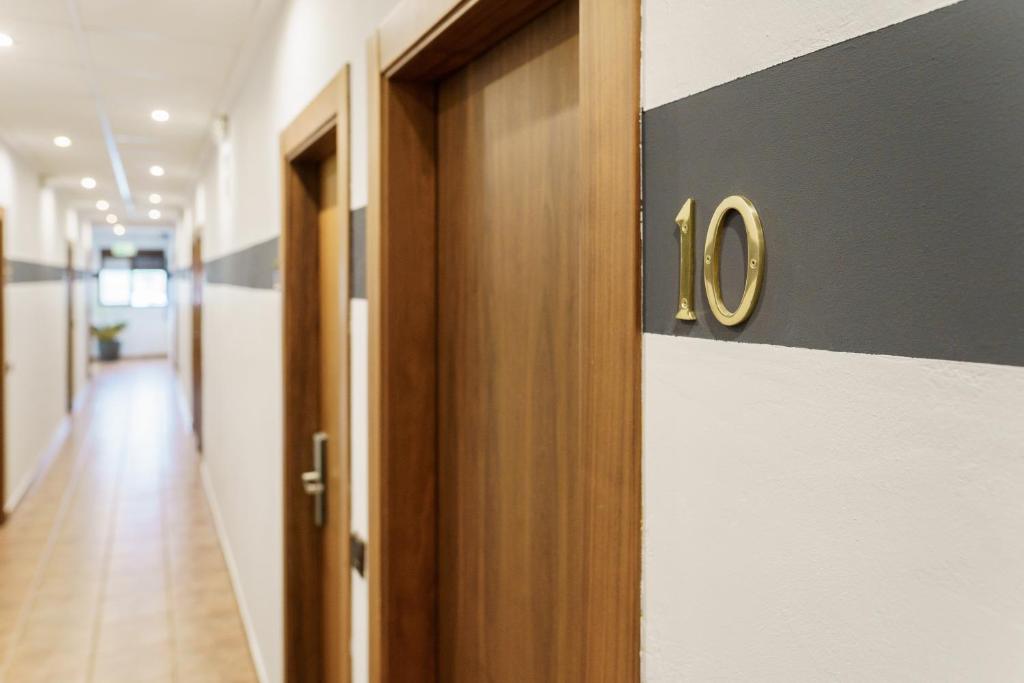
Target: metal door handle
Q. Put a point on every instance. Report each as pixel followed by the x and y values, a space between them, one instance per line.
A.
pixel 313 482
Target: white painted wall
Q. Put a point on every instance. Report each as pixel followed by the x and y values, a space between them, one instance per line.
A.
pixel 694 45
pixel 238 204
pixel 35 331
pixel 242 453
pixel 147 333
pixel 360 477
pixel 812 515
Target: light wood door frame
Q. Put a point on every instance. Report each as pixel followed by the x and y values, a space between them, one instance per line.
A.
pixel 421 42
pixel 197 338
pixel 315 292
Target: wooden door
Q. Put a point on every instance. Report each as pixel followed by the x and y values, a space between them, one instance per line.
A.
pixel 314 262
pixel 197 340
pixel 503 287
pixel 3 371
pixel 508 325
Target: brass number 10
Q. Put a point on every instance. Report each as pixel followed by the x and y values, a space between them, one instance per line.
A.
pixel 713 257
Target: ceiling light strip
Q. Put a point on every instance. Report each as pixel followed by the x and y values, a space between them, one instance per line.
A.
pixel 108 133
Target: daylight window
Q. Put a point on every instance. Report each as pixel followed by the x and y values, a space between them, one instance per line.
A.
pixel 139 282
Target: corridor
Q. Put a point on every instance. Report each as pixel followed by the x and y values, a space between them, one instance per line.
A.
pixel 111 567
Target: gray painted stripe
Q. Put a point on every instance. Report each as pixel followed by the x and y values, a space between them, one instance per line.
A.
pixel 886 170
pixel 27 271
pixel 255 267
pixel 357 254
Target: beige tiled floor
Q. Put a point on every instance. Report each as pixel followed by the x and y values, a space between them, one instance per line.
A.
pixel 110 568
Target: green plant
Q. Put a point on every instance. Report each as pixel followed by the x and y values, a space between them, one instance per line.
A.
pixel 108 332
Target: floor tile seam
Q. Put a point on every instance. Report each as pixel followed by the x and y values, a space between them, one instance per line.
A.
pixel 108 553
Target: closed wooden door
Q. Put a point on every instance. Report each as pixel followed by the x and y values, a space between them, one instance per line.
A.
pixel 314 277
pixel 3 373
pixel 332 311
pixel 508 327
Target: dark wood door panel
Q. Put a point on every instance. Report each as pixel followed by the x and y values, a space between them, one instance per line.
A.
pixel 508 321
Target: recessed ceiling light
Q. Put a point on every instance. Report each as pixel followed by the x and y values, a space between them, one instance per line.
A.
pixel 155 198
pixel 103 205
pixel 160 115
pixel 111 218
pixel 156 171
pixel 6 40
pixel 88 183
pixel 118 229
pixel 62 141
pixel 154 214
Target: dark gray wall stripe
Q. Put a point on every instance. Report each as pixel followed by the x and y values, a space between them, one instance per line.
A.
pixel 255 267
pixel 887 171
pixel 27 271
pixel 357 271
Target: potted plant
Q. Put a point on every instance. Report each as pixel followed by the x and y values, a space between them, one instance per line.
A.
pixel 106 335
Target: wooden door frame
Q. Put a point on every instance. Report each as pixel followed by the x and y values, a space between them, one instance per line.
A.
pixel 196 337
pixel 4 270
pixel 70 278
pixel 419 43
pixel 314 607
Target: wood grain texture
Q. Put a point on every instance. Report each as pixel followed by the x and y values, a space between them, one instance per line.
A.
pixel 332 383
pixel 610 340
pixel 314 265
pixel 590 572
pixel 428 39
pixel 3 369
pixel 197 340
pixel 300 270
pixel 375 403
pixel 508 351
pixel 401 288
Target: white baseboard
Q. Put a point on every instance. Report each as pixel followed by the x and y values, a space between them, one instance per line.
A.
pixel 229 560
pixel 45 458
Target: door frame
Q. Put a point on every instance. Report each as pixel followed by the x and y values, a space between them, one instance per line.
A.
pixel 196 341
pixel 419 43
pixel 4 272
pixel 70 278
pixel 315 326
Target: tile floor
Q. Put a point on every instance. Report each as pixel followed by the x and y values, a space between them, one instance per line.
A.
pixel 110 569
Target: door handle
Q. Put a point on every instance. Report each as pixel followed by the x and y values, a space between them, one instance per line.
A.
pixel 314 481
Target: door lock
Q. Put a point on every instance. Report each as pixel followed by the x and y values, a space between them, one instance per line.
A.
pixel 314 481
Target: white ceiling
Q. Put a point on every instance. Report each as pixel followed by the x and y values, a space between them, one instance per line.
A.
pixel 77 64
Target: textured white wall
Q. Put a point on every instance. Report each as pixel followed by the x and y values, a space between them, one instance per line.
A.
pixel 35 341
pixel 35 386
pixel 242 452
pixel 812 515
pixel 360 477
pixel 693 45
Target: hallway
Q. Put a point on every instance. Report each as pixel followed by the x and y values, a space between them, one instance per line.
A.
pixel 111 568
